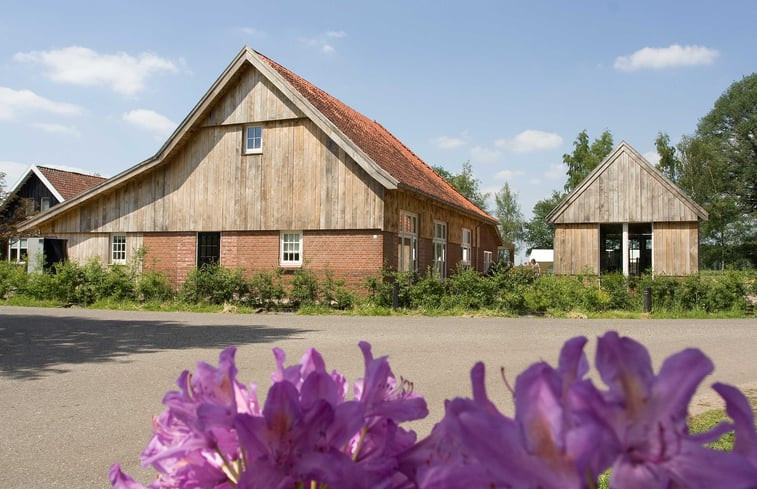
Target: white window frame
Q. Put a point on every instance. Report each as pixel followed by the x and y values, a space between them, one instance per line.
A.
pixel 290 243
pixel 17 245
pixel 44 203
pixel 440 249
pixel 487 260
pixel 256 140
pixel 465 245
pixel 408 240
pixel 118 249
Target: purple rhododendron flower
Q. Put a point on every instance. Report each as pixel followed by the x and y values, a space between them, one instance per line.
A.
pixel 213 433
pixel 647 415
pixel 565 432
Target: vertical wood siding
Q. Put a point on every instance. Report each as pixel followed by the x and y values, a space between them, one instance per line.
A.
pixel 576 248
pixel 676 248
pixel 626 192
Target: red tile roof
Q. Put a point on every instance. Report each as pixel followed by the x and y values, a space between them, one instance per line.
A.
pixel 379 144
pixel 69 184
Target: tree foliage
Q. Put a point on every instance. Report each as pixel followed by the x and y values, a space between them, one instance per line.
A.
pixel 718 169
pixel 669 163
pixel 538 233
pixel 467 184
pixel 585 157
pixel 509 215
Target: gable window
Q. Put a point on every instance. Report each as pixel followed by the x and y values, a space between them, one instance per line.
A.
pixel 291 248
pixel 208 249
pixel 466 247
pixel 253 139
pixel 118 249
pixel 440 249
pixel 18 249
pixel 44 203
pixel 407 248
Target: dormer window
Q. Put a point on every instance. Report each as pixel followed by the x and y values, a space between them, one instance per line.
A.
pixel 253 139
pixel 44 203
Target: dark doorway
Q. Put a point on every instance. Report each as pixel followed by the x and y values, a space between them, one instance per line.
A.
pixel 55 251
pixel 611 248
pixel 639 248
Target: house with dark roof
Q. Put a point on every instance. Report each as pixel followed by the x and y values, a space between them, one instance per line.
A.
pixel 626 217
pixel 39 189
pixel 270 171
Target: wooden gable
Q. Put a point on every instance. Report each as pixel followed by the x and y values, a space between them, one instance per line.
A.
pixel 625 187
pixel 301 180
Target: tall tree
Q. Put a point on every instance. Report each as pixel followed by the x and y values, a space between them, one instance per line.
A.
pixel 509 214
pixel 585 157
pixel 669 163
pixel 731 128
pixel 719 170
pixel 467 184
pixel 538 233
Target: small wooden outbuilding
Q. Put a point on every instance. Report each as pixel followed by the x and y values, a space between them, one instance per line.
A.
pixel 626 216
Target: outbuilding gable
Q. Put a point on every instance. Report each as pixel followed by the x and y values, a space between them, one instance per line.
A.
pixel 625 187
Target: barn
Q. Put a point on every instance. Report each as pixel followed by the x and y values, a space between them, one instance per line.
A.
pixel 626 217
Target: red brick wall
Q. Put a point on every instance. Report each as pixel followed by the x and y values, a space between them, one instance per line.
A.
pixel 352 254
pixel 173 254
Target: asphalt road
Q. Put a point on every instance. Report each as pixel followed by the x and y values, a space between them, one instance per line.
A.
pixel 78 388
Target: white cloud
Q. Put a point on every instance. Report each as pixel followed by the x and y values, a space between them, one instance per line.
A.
pixel 531 140
pixel 252 32
pixel 57 128
pixel 121 72
pixel 652 157
pixel 150 120
pixel 323 42
pixel 484 155
pixel 14 101
pixel 508 174
pixel 556 171
pixel 447 142
pixel 670 57
pixel 535 181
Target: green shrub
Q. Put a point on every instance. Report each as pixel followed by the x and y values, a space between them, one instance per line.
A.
pixel 304 288
pixel 618 289
pixel 214 284
pixel 266 289
pixel 13 279
pixel 154 287
pixel 427 292
pixel 334 294
pixel 381 289
pixel 467 289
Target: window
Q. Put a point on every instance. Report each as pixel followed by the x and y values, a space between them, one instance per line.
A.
pixel 118 249
pixel 44 203
pixel 487 260
pixel 291 248
pixel 253 139
pixel 18 249
pixel 407 248
pixel 466 247
pixel 440 249
pixel 208 248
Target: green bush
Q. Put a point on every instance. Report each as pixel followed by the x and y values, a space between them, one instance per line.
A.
pixel 619 292
pixel 266 289
pixel 467 289
pixel 154 287
pixel 214 284
pixel 304 288
pixel 427 292
pixel 13 279
pixel 334 294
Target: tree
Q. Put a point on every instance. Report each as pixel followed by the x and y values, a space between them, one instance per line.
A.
pixel 509 214
pixel 466 184
pixel 585 157
pixel 669 163
pixel 718 169
pixel 731 128
pixel 538 233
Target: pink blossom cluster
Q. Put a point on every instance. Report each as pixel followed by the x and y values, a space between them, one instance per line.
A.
pixel 565 433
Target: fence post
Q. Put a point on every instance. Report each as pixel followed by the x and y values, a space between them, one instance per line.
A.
pixel 647 299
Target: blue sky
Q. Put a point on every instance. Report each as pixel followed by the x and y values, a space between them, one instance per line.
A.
pixel 99 86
